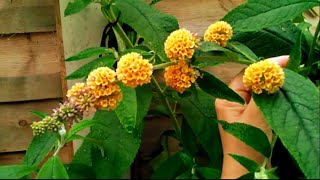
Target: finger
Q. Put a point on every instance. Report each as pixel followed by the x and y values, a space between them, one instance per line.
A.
pixel 281 60
pixel 227 110
pixel 237 86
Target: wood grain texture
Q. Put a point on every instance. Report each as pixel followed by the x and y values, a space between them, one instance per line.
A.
pixel 21 16
pixel 11 158
pixel 60 46
pixel 15 121
pixel 14 158
pixel 29 67
pixel 196 15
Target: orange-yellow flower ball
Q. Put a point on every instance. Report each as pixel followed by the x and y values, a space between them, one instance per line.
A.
pixel 180 44
pixel 81 97
pixel 103 84
pixel 219 32
pixel 262 76
pixel 133 70
pixel 180 76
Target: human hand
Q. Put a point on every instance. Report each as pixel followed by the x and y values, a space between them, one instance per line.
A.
pixel 249 114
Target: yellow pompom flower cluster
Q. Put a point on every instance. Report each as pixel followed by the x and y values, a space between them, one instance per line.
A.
pixel 103 86
pixel 264 76
pixel 219 32
pixel 133 70
pixel 180 76
pixel 81 97
pixel 48 123
pixel 180 44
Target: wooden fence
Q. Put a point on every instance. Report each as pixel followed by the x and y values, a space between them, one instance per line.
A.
pixel 32 71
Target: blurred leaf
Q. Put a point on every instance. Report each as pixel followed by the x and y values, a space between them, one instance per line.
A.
pixel 295 56
pixel 134 106
pixel 15 171
pixel 188 138
pixel 99 143
pixel 250 135
pixel 293 113
pixel 52 169
pixel 127 109
pixel 120 147
pixel 38 149
pixel 144 98
pixel 83 71
pixel 210 46
pixel 217 88
pixel 199 112
pixel 272 41
pixel 186 175
pixel 243 49
pixel 208 173
pixel 39 114
pixel 76 6
pixel 251 16
pixel 173 166
pixel 154 2
pixel 94 51
pixel 247 176
pixel 247 163
pixel 153 25
pixel 80 171
pixel 80 126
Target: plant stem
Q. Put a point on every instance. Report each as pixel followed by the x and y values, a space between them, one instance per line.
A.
pixel 108 13
pixel 172 114
pixel 163 65
pixel 273 142
pixel 60 145
pixel 314 41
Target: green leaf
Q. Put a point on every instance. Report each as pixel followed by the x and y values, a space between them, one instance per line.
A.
pixel 210 46
pixel 15 171
pixel 153 25
pixel 208 173
pixel 39 114
pixel 293 113
pixel 80 171
pixel 94 51
pixel 52 169
pixel 249 164
pixel 270 42
pixel 217 88
pixel 83 71
pixel 243 49
pixel 199 112
pixel 144 97
pixel 83 154
pixel 127 108
pixel 154 2
pixel 120 147
pixel 134 106
pixel 295 55
pixel 186 175
pixel 188 138
pixel 80 126
pixel 250 135
pixel 38 149
pixel 173 166
pixel 258 14
pixel 247 176
pixel 76 6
